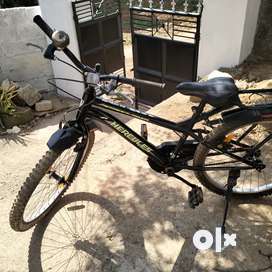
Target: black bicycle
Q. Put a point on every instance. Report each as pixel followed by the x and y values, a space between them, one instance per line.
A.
pixel 230 155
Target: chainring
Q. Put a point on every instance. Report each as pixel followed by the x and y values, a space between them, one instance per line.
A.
pixel 166 149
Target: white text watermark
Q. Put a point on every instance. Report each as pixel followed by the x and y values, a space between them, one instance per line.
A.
pixel 204 239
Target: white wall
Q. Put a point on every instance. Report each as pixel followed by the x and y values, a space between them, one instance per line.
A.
pixel 18 62
pixel 58 14
pixel 227 33
pixel 250 26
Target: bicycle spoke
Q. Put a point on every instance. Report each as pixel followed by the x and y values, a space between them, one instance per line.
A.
pixel 79 236
pixel 66 223
pixel 64 230
pixel 252 139
pixel 48 189
pixel 72 255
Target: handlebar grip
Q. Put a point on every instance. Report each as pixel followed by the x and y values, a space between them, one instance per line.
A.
pixel 136 82
pixel 43 26
pixel 149 83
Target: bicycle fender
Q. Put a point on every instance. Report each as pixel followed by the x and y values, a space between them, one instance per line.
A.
pixel 64 138
pixel 242 116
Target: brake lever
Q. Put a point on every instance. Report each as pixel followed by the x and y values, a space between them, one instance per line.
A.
pixel 111 86
pixel 111 90
pixel 106 91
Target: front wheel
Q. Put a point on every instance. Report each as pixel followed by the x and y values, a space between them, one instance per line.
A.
pixel 47 182
pixel 241 140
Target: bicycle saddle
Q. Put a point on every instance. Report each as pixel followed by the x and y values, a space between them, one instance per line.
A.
pixel 217 92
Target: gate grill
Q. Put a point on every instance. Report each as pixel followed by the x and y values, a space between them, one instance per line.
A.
pixel 99 32
pixel 165 45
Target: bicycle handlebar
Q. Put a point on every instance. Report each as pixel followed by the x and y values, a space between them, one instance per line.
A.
pixel 131 81
pixel 137 82
pixel 49 32
pixel 38 20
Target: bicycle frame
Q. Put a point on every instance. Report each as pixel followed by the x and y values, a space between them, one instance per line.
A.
pixel 168 158
pixel 100 110
pixel 99 107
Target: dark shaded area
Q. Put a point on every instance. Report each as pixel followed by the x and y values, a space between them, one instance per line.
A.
pixel 16 138
pixel 94 246
pixel 100 35
pixel 155 206
pixel 165 50
pixel 263 40
pixel 17 3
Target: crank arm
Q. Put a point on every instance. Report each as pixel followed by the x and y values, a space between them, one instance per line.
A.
pixel 182 180
pixel 195 195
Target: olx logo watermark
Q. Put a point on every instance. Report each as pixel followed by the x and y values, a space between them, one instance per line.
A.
pixel 203 240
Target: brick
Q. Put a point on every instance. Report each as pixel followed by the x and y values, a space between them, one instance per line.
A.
pixel 44 105
pixel 29 94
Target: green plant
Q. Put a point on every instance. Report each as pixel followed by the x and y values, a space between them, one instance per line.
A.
pixel 6 104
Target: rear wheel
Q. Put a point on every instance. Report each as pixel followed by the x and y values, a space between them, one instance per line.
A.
pixel 47 182
pixel 239 139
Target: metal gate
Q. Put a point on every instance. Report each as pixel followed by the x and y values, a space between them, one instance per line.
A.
pixel 99 32
pixel 165 37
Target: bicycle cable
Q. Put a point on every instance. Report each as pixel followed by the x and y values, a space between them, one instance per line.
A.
pixel 69 64
pixel 60 89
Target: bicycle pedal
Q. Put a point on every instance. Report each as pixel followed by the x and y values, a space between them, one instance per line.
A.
pixel 195 197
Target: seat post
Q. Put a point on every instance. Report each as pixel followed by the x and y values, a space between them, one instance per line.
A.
pixel 189 125
pixel 197 110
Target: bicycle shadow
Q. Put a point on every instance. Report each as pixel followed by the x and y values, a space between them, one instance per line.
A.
pixel 100 254
pixel 157 226
pixel 156 209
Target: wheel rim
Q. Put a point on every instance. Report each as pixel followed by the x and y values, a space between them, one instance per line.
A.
pixel 51 186
pixel 250 181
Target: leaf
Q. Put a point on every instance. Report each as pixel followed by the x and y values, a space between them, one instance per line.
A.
pixel 6 104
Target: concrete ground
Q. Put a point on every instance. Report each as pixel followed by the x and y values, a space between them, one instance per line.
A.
pixel 157 223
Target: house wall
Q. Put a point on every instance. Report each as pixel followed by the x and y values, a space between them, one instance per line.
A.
pixel 227 33
pixel 19 62
pixel 250 26
pixel 59 15
pixel 263 42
